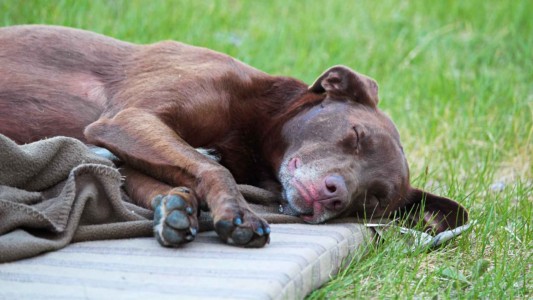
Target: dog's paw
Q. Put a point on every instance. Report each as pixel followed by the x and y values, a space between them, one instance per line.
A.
pixel 175 220
pixel 243 228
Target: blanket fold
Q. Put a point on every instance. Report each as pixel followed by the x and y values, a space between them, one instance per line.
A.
pixel 56 191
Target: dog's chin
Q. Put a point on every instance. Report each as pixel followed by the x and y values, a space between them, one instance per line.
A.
pixel 318 215
pixel 314 218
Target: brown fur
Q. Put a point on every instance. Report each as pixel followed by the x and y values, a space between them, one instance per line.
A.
pixel 152 105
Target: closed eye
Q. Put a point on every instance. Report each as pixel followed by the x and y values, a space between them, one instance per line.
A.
pixel 356 135
pixel 359 135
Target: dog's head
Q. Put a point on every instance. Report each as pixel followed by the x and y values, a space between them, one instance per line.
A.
pixel 344 158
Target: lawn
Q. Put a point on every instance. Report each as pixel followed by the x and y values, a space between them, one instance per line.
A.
pixel 456 77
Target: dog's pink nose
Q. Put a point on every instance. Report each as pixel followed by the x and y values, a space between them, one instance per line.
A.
pixel 334 193
pixel 294 164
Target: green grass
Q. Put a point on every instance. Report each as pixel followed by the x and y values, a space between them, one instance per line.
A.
pixel 456 77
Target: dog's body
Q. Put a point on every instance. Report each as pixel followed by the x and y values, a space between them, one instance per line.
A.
pixel 326 148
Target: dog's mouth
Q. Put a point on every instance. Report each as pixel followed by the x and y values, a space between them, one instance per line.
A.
pixel 316 216
pixel 305 203
pixel 305 192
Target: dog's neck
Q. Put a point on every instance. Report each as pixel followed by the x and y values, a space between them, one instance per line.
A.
pixel 281 99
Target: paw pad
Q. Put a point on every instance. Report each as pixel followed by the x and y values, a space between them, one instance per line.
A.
pixel 250 231
pixel 174 220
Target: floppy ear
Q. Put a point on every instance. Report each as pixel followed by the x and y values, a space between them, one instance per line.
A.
pixel 341 81
pixel 437 213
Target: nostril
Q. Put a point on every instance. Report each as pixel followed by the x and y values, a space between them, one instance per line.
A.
pixel 332 188
pixel 334 193
pixel 335 204
pixel 333 183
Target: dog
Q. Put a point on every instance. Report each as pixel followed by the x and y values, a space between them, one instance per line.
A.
pixel 325 148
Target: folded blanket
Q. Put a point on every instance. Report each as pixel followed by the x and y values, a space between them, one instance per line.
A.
pixel 56 191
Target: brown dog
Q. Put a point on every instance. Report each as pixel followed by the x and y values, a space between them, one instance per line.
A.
pixel 327 149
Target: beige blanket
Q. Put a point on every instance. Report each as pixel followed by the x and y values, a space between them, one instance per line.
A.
pixel 56 191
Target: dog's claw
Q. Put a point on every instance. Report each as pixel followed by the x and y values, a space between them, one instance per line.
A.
pixel 174 220
pixel 189 211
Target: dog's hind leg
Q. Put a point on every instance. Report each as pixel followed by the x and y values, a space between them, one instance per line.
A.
pixel 175 208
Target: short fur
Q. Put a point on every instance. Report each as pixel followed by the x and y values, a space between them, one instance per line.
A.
pixel 327 149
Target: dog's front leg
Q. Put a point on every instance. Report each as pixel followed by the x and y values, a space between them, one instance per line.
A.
pixel 176 208
pixel 146 143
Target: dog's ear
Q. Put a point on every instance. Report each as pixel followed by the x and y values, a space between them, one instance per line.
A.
pixel 436 213
pixel 342 82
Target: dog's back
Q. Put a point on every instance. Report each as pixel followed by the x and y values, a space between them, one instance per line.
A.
pixel 52 75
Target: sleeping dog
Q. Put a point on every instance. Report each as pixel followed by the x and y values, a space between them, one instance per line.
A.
pixel 325 148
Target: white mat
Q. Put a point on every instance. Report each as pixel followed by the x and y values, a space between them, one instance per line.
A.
pixel 299 259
